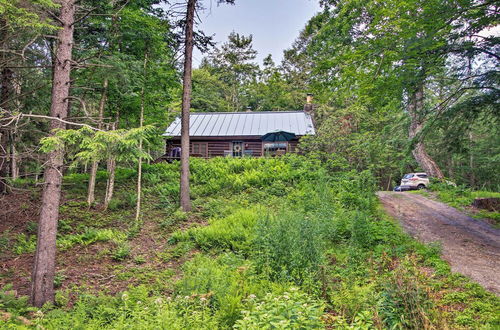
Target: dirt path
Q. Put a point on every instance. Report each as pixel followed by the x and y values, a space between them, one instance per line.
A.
pixel 472 247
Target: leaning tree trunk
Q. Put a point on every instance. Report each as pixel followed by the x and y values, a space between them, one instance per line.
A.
pixel 93 169
pixel 42 289
pixel 415 110
pixel 186 105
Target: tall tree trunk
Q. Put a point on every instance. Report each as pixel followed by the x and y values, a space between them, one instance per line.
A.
pixel 111 169
pixel 472 176
pixel 185 199
pixel 14 167
pixel 110 184
pixel 6 81
pixel 139 165
pixel 5 102
pixel 93 169
pixel 415 110
pixel 14 161
pixel 42 289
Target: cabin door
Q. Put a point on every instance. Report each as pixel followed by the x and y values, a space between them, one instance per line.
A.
pixel 237 149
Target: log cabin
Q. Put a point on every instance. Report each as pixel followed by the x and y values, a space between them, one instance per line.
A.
pixel 239 134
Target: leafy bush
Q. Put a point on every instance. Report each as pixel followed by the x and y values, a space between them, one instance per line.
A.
pixel 224 282
pixel 291 310
pixel 90 236
pixel 136 308
pixel 288 247
pixel 234 232
pixel 121 252
pixel 25 244
pixel 404 301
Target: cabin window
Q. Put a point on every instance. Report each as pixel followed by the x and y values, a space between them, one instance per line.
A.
pixel 237 149
pixel 275 148
pixel 200 149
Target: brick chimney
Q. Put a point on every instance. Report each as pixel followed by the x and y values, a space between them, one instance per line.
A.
pixel 309 107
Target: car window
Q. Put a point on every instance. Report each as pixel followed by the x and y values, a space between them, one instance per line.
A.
pixel 408 176
pixel 423 176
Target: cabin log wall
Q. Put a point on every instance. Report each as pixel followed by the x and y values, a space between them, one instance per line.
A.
pixel 217 145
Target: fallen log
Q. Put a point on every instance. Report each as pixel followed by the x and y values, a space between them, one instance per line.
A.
pixel 487 203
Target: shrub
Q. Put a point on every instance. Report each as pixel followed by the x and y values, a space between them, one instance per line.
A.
pixel 122 252
pixel 288 247
pixel 90 236
pixel 137 308
pixel 223 281
pixel 291 310
pixel 25 244
pixel 404 300
pixel 234 232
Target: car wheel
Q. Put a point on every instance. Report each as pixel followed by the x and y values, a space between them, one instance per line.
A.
pixel 421 186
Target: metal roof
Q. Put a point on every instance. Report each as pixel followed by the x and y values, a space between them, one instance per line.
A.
pixel 244 123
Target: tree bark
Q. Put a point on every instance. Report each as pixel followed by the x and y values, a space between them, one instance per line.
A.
pixel 14 167
pixel 93 169
pixel 42 289
pixel 185 199
pixel 6 81
pixel 139 164
pixel 5 102
pixel 472 177
pixel 110 184
pixel 415 110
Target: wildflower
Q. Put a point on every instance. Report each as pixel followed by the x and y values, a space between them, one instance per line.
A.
pixel 124 296
pixel 203 299
pixel 39 313
pixel 252 296
pixel 159 301
pixel 286 297
pixel 294 289
pixel 186 297
pixel 169 298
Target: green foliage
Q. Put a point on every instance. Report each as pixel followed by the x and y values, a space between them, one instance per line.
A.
pixel 404 302
pixel 10 303
pixel 462 197
pixel 27 244
pixel 27 15
pixel 24 244
pixel 288 247
pixel 291 310
pixel 222 282
pixel 91 145
pixel 121 252
pixel 136 308
pixel 232 233
pixel 253 236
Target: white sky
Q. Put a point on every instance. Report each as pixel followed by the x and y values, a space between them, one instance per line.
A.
pixel 274 24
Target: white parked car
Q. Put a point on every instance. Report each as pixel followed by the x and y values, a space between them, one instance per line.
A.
pixel 415 180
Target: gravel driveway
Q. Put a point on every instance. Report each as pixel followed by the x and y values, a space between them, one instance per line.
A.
pixel 472 247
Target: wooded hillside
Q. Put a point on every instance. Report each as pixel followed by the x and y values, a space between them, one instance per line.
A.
pixel 94 234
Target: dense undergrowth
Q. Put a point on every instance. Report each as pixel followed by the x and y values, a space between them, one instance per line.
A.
pixel 271 243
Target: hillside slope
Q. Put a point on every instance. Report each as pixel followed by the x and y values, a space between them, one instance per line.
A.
pixel 283 240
